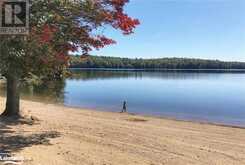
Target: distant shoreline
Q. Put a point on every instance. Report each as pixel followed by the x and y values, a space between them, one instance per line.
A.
pixel 154 63
pixel 153 69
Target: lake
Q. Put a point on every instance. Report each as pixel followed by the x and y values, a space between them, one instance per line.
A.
pixel 208 96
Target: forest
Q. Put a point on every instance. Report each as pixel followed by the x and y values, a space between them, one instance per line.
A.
pixel 157 63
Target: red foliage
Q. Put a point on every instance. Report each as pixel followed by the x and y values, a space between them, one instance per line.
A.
pixel 125 23
pixel 105 41
pixel 122 20
pixel 62 57
pixel 47 33
pixel 119 4
pixel 111 12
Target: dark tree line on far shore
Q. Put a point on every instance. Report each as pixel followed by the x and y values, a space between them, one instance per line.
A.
pixel 160 63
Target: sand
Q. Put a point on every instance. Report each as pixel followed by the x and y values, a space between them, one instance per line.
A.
pixel 65 136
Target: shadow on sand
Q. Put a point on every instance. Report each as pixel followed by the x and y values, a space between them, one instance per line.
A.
pixel 12 141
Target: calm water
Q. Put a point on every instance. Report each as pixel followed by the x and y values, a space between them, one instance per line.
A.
pixel 203 96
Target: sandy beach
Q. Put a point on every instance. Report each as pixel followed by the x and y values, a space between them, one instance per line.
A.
pixel 70 136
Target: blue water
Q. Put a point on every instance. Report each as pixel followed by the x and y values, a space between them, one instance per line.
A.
pixel 208 96
pixel 217 97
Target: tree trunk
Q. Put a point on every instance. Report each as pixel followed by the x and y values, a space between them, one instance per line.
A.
pixel 13 97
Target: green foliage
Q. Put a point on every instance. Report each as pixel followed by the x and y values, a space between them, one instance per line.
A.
pixel 161 63
pixel 58 27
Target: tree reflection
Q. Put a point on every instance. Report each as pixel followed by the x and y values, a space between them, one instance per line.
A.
pixel 50 92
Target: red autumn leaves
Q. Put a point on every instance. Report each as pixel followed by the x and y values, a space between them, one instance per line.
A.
pixel 113 15
pixel 125 23
pixel 47 33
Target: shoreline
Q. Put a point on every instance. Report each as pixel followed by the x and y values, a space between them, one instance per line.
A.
pixel 67 136
pixel 139 115
pixel 162 69
pixel 152 116
pixel 145 115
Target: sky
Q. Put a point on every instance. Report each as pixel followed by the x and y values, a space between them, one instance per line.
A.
pixel 208 29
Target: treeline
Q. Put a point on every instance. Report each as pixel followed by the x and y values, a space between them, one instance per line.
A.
pixel 160 63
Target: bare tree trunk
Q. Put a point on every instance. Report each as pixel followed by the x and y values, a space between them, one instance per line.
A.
pixel 13 97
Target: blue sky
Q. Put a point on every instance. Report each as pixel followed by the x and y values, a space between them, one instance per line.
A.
pixel 209 29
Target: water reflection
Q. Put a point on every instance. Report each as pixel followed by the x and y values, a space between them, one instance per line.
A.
pixel 216 96
pixel 101 74
pixel 50 92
